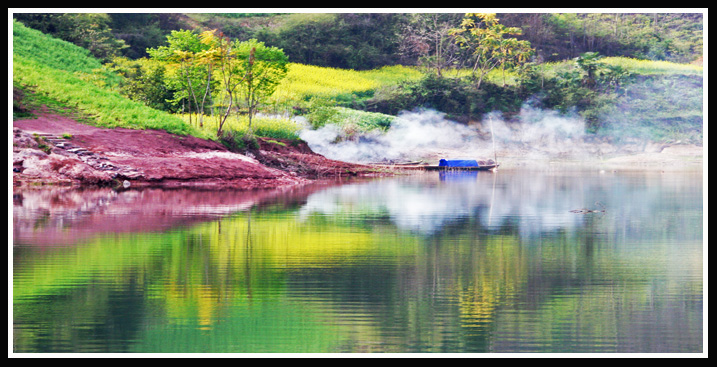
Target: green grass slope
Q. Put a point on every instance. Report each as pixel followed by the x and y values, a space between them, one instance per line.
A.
pixel 66 73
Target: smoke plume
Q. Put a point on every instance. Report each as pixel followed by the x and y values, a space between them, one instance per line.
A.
pixel 427 133
pixel 411 135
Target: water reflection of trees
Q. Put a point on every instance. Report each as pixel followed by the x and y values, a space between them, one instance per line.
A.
pixel 359 278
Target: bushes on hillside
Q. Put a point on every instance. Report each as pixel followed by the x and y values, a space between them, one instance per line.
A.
pixel 456 97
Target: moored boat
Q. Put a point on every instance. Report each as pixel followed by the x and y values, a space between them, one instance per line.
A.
pixel 463 165
pixel 444 165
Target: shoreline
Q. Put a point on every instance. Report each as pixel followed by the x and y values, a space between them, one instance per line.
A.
pixel 52 150
pixel 55 150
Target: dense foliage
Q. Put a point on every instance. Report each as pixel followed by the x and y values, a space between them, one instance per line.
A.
pixel 107 35
pixel 369 40
pixel 675 37
pixel 347 41
pixel 463 65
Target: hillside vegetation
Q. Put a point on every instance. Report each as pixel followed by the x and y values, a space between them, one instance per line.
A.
pixel 69 75
pixel 619 96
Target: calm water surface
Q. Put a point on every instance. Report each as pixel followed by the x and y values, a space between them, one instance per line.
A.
pixel 441 263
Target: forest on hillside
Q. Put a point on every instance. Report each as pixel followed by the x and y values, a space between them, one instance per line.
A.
pixel 638 74
pixel 364 41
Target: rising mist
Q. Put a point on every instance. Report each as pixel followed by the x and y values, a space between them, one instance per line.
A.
pixel 428 134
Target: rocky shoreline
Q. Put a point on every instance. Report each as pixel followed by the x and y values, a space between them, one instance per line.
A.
pixel 54 150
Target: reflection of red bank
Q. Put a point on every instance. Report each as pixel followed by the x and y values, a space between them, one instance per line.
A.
pixel 66 216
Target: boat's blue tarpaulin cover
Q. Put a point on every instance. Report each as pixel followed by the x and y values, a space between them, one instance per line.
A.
pixel 457 163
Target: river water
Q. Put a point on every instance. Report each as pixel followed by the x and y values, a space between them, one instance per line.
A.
pixel 433 262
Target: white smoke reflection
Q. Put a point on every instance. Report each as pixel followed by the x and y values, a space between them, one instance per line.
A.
pixel 425 207
pixel 533 202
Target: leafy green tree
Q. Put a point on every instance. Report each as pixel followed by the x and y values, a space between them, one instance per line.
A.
pixel 484 38
pixel 263 68
pixel 588 62
pixel 248 71
pixel 229 69
pixel 598 73
pixel 190 55
pixel 513 54
pixel 144 81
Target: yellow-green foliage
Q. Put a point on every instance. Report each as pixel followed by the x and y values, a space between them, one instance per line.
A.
pixel 306 81
pixel 392 74
pixel 270 127
pixel 649 67
pixel 636 66
pixel 495 76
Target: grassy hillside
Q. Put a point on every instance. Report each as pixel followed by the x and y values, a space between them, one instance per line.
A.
pixel 661 100
pixel 31 44
pixel 67 74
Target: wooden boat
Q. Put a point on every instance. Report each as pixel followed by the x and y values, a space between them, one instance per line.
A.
pixel 391 163
pixel 486 167
pixel 446 165
pixel 463 165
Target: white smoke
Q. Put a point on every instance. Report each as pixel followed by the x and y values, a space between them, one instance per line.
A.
pixel 424 133
pixel 537 133
pixel 411 135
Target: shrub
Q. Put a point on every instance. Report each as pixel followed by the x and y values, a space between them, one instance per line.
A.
pixel 263 126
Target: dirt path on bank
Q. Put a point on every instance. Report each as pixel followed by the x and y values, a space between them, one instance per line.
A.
pixel 52 149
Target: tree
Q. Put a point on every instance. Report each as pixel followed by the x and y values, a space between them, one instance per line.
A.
pixel 262 68
pixel 248 71
pixel 598 73
pixel 484 38
pixel 428 37
pixel 230 72
pixel 589 63
pixel 191 56
pixel 144 81
pixel 513 54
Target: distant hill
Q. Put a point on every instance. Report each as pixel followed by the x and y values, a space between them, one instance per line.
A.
pixel 369 40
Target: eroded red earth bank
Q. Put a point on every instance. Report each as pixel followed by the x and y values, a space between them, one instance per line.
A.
pixel 52 149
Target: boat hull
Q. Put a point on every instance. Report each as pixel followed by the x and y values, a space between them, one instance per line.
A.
pixel 487 167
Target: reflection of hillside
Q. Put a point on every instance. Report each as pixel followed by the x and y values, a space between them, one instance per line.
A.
pixel 351 266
